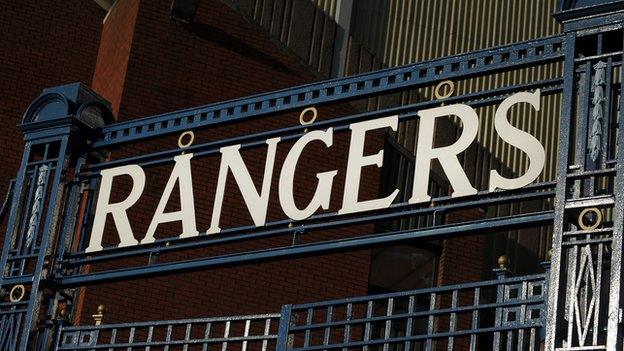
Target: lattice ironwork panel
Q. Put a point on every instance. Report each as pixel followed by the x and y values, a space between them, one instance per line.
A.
pixel 506 313
pixel 256 332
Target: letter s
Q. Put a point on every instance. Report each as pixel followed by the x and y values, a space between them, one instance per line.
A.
pixel 520 139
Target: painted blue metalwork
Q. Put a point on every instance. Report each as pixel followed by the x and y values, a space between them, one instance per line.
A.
pixel 407 318
pixel 584 305
pixel 256 332
pixel 445 204
pixel 255 140
pixel 49 126
pixel 438 232
pixel 342 89
pixel 415 319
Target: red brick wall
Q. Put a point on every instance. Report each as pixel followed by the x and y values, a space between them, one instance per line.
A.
pixel 114 52
pixel 462 258
pixel 43 43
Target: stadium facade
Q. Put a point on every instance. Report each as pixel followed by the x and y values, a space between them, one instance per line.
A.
pixel 334 175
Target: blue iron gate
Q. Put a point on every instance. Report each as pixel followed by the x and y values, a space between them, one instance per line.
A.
pixel 69 133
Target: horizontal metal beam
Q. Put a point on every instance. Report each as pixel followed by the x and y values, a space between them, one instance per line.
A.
pixel 539 277
pixel 405 112
pixel 486 61
pixel 444 231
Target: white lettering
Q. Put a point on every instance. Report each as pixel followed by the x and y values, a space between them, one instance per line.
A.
pixel 257 203
pixel 357 160
pixel 117 210
pixel 322 194
pixel 520 139
pixel 181 174
pixel 446 155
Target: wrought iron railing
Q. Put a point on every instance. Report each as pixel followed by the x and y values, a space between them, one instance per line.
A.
pixel 257 332
pixel 507 313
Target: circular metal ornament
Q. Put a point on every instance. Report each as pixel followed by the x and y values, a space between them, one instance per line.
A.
pixel 304 112
pixel 189 142
pixel 444 89
pixel 20 290
pixel 581 216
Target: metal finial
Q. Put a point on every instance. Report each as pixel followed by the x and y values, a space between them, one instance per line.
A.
pixel 503 260
pixel 99 317
pixel 62 314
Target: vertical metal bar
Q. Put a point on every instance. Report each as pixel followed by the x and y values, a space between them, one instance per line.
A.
pixel 267 330
pixel 284 326
pixel 168 337
pixel 114 338
pixel 309 319
pixel 614 332
pixel 71 214
pixel 409 324
pixel 150 335
pixel 431 322
pixel 187 337
pixel 596 294
pixel 226 335
pixel 388 326
pixel 498 313
pixel 532 339
pixel 131 339
pixel 367 325
pixel 453 321
pixel 245 335
pixel 18 241
pixel 522 315
pixel 206 336
pixel 328 319
pixel 475 318
pixel 347 329
pixel 554 310
pixel 572 276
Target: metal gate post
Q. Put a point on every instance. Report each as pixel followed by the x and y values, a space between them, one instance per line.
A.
pixel 584 302
pixel 57 126
pixel 284 327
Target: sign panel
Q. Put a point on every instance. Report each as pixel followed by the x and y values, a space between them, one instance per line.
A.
pixel 257 201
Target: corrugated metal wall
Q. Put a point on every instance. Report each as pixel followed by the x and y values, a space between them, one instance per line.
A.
pixel 398 32
pixel 406 31
pixel 329 6
pixel 301 27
